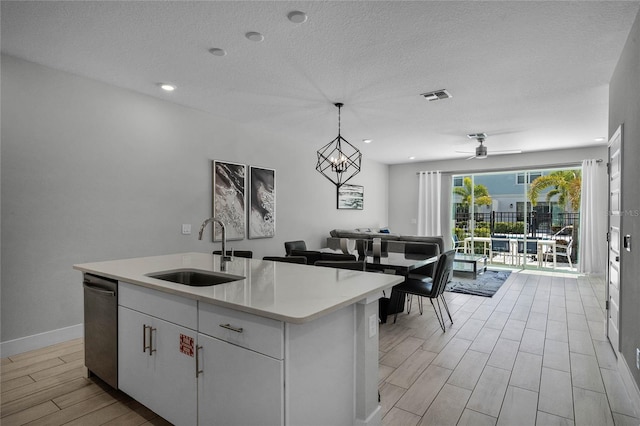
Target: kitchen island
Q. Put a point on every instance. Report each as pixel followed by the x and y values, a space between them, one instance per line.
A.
pixel 281 344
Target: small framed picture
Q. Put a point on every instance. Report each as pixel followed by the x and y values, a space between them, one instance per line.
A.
pixel 229 199
pixel 351 197
pixel 262 202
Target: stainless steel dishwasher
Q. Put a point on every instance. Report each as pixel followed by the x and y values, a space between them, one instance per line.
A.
pixel 101 328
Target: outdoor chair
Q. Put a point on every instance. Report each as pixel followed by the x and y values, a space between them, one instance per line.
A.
pixel 431 288
pixel 294 245
pixel 458 245
pixel 531 249
pixel 501 246
pixel 562 251
pixel 287 259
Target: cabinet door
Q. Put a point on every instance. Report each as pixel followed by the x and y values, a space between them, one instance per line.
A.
pixel 238 386
pixel 165 380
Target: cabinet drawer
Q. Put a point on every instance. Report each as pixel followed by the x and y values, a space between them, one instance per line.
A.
pixel 176 309
pixel 260 334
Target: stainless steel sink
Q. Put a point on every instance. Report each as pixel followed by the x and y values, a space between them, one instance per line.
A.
pixel 195 277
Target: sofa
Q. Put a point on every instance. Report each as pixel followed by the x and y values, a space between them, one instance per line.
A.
pixel 395 242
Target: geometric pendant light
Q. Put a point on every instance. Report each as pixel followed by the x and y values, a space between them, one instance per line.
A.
pixel 338 160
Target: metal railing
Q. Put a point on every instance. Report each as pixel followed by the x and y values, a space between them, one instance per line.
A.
pixel 508 224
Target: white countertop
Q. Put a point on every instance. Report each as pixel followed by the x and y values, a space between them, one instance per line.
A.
pixel 283 291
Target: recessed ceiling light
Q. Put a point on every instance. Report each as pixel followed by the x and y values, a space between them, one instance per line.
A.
pixel 216 51
pixel 167 87
pixel 297 17
pixel 600 139
pixel 254 36
pixel 412 158
pixel 366 140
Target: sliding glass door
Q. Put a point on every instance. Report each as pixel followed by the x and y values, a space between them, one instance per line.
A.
pixel 519 219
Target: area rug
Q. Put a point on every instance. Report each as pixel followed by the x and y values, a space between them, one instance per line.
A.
pixel 484 285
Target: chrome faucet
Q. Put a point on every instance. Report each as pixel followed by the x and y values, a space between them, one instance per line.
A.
pixel 224 236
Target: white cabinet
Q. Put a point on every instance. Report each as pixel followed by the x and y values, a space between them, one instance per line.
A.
pixel 238 386
pixel 156 351
pixel 242 379
pixel 197 363
pixel 152 368
pixel 233 376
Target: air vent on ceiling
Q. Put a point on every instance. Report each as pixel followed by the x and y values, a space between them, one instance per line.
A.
pixel 436 95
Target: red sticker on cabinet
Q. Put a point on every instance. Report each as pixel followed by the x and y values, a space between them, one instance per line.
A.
pixel 186 345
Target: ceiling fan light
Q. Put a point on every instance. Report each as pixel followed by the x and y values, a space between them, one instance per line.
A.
pixel 481 152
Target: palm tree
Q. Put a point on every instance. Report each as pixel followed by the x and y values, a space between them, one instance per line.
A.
pixel 480 193
pixel 566 186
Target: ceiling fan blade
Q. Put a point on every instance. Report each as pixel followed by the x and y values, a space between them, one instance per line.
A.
pixel 471 158
pixel 508 151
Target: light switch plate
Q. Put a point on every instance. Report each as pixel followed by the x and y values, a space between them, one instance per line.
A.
pixel 186 229
pixel 373 325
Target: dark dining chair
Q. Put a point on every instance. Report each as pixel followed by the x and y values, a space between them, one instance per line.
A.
pixel 311 255
pixel 287 259
pixel 294 245
pixel 247 254
pixel 342 264
pixel 433 288
pixel 337 257
pixel 421 249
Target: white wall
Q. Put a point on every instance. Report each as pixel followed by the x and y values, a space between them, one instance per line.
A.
pixel 92 172
pixel 624 108
pixel 403 181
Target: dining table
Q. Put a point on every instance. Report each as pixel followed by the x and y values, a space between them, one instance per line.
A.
pixel 391 263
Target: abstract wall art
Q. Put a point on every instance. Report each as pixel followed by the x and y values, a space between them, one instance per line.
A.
pixel 351 197
pixel 262 203
pixel 229 199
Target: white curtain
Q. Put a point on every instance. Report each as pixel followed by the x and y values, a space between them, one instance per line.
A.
pixel 430 204
pixel 593 227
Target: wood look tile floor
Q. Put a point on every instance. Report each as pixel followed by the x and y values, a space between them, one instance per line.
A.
pixel 48 387
pixel 534 354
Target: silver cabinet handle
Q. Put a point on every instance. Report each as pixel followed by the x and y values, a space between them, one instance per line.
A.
pixel 230 327
pixel 198 371
pixel 144 338
pixel 89 287
pixel 151 349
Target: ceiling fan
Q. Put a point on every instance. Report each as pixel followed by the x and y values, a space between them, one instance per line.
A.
pixel 481 150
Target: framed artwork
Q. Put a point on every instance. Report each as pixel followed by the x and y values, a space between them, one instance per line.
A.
pixel 229 199
pixel 351 197
pixel 262 202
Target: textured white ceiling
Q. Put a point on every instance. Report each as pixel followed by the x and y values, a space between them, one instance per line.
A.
pixel 532 75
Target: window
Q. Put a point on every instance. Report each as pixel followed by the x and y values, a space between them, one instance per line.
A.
pixel 532 176
pixel 458 180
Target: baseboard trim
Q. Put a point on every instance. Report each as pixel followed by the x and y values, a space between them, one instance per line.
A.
pixel 375 418
pixel 41 340
pixel 629 382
